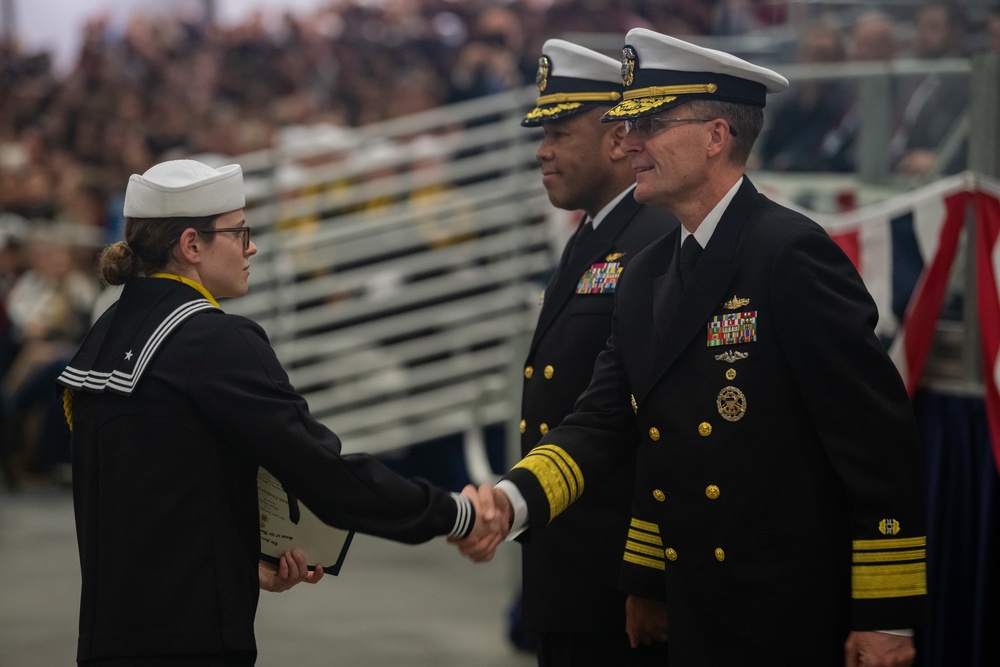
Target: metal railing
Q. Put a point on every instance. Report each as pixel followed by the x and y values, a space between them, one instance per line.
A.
pixel 399 267
pixel 399 264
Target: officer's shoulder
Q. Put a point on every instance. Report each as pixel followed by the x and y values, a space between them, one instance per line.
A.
pixel 771 219
pixel 219 323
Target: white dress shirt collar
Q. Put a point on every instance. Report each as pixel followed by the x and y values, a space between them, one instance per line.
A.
pixel 603 213
pixel 707 227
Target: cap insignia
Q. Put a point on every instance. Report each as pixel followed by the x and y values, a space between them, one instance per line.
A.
pixel 628 65
pixel 542 76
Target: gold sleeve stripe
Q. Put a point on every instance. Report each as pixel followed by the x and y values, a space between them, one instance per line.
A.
pixel 869 582
pixel 558 474
pixel 894 556
pixel 881 545
pixel 648 526
pixel 570 470
pixel 643 549
pixel 645 562
pixel 645 537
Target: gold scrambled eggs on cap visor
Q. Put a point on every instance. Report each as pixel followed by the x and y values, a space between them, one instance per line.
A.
pixel 554 111
pixel 640 107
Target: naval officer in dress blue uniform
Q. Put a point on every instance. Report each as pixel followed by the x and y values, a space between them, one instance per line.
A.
pixel 571 596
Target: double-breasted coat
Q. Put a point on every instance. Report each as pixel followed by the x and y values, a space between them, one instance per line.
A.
pixel 778 499
pixel 570 572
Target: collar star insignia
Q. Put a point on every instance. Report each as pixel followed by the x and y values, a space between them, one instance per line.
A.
pixel 128 356
pixel 736 302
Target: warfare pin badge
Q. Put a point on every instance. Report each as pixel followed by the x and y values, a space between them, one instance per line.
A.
pixel 736 303
pixel 731 356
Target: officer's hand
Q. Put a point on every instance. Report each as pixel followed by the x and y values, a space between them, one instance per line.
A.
pixel 645 620
pixel 494 516
pixel 878 649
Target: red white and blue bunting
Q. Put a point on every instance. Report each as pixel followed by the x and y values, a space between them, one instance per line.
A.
pixel 905 249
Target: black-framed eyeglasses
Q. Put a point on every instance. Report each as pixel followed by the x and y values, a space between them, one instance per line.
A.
pixel 243 232
pixel 646 127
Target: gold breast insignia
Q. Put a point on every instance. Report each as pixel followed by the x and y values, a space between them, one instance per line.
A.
pixel 736 303
pixel 613 256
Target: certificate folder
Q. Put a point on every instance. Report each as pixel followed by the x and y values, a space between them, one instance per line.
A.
pixel 283 528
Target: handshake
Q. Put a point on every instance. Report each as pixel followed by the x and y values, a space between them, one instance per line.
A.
pixel 494 518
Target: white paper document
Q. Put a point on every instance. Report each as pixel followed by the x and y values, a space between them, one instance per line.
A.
pixel 320 542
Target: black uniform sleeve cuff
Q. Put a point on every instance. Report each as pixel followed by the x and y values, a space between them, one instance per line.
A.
pixel 465 518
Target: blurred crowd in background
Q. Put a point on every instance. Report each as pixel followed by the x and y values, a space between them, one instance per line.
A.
pixel 170 85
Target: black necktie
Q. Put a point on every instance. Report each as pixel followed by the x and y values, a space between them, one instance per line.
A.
pixel 690 250
pixel 585 232
pixel 586 229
